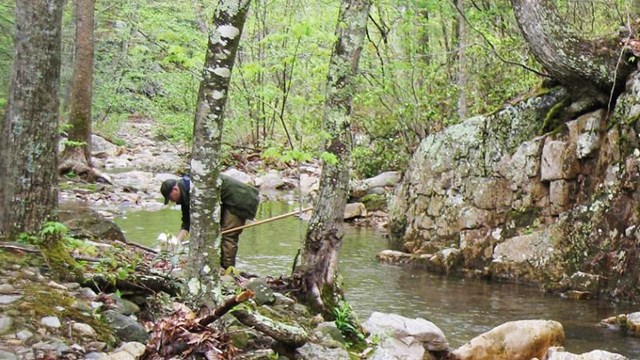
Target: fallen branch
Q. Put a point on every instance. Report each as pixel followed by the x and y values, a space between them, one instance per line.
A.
pixel 286 334
pixel 15 246
pixel 228 304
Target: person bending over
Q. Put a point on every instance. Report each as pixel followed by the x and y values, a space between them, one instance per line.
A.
pixel 239 204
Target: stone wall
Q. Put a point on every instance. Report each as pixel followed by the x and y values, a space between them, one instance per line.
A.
pixel 521 206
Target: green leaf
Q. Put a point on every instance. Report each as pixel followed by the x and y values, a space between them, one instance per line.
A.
pixel 329 158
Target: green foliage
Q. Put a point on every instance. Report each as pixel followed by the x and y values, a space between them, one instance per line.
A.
pixel 149 57
pixel 346 322
pixel 371 160
pixel 329 158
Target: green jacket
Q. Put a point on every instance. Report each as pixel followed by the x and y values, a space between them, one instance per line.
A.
pixel 237 197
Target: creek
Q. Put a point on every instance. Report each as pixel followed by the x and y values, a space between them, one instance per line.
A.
pixel 462 308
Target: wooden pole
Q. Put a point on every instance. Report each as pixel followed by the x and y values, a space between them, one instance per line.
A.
pixel 235 228
pixel 266 220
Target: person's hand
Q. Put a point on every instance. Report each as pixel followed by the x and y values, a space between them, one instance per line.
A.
pixel 182 235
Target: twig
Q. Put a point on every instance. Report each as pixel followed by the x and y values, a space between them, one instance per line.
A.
pixel 14 246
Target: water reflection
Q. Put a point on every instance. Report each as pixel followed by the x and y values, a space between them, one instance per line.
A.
pixel 462 308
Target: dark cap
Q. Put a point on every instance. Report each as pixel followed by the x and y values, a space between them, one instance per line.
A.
pixel 166 188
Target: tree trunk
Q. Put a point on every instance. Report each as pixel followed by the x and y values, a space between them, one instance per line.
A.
pixel 77 153
pixel 590 69
pixel 203 272
pixel 317 272
pixel 29 191
pixel 462 78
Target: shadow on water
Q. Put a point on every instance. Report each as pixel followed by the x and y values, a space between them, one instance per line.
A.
pixel 462 308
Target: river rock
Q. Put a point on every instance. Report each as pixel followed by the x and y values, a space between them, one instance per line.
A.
pixel 309 184
pixel 86 223
pixel 558 353
pixel 312 351
pixel 7 289
pixel 393 257
pixel 84 329
pixel 51 321
pixel 9 299
pixel 125 327
pixel 329 331
pixel 388 178
pixel 263 294
pixel 5 355
pixel 271 181
pixel 354 210
pixel 392 349
pixel 514 340
pixel 632 323
pixel 5 324
pixel 100 147
pixel 239 175
pixel 582 281
pixel 407 330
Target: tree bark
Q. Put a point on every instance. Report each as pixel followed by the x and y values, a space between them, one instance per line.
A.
pixel 203 271
pixel 317 272
pixel 462 76
pixel 29 191
pixel 76 157
pixel 590 69
pixel 286 334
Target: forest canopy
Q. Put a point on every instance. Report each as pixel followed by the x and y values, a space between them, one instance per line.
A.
pixel 420 58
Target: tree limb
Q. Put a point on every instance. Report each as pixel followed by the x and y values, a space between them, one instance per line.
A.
pixel 287 334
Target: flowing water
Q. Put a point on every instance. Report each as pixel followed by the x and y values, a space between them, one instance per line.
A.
pixel 462 308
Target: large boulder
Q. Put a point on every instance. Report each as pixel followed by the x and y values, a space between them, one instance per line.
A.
pixel 408 331
pixel 86 223
pixel 528 205
pixel 514 340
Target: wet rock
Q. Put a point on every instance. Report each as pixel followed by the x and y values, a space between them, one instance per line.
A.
pixel 125 327
pixel 6 322
pixel 374 202
pixel 261 354
pixel 263 294
pixel 120 355
pixel 95 356
pixel 311 351
pixel 391 349
pixel 134 348
pixel 354 210
pixel 309 184
pixel 24 335
pixel 445 261
pixel 9 299
pixel 394 257
pixel 632 323
pixel 7 289
pixel 515 340
pixel 100 147
pixel 389 178
pixel 585 282
pixel 85 223
pixel 239 175
pixel 329 330
pixel 272 180
pixel 6 355
pixel 51 321
pixel 558 353
pixel 407 330
pixel 83 330
pixel 579 295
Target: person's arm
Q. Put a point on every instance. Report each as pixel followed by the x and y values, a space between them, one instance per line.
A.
pixel 186 223
pixel 182 234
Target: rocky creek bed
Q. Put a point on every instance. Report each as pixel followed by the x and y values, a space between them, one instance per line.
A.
pixel 122 306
